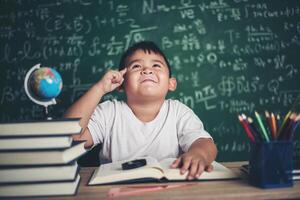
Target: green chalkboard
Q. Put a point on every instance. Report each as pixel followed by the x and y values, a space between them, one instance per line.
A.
pixel 229 56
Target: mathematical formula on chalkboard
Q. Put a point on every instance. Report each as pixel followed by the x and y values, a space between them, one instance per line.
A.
pixel 229 56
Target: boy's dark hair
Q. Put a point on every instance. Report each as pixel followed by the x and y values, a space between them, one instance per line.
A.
pixel 147 47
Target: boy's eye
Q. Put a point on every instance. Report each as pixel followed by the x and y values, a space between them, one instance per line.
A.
pixel 156 65
pixel 135 66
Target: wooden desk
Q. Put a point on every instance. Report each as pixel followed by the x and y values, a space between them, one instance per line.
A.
pixel 227 189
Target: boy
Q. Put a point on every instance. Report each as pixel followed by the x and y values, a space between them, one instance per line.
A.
pixel 146 124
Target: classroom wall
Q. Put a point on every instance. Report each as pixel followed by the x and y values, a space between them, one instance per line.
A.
pixel 229 56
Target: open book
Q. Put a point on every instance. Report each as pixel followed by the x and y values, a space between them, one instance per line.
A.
pixel 113 173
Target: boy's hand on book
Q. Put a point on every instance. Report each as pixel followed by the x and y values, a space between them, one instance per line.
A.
pixel 192 162
pixel 111 80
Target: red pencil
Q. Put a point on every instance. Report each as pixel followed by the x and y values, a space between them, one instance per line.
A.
pixel 247 130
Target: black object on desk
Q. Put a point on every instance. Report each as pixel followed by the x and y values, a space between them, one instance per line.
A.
pixel 134 164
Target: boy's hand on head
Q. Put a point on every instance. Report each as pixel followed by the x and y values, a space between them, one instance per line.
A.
pixel 111 80
pixel 192 162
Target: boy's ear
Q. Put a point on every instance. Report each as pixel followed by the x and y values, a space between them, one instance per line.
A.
pixel 172 84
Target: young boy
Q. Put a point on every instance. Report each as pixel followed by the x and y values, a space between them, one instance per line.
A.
pixel 145 124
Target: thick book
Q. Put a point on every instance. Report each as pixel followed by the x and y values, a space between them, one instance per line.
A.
pixel 27 143
pixel 39 128
pixel 42 157
pixel 112 173
pixel 40 189
pixel 38 173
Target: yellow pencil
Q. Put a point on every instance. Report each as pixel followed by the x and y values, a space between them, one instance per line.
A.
pixel 286 118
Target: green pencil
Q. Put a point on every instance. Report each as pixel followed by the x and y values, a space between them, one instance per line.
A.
pixel 262 127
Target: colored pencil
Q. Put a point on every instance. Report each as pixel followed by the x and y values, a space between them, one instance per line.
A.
pixel 246 128
pixel 285 131
pixel 279 122
pixel 262 127
pixel 292 127
pixel 274 124
pixel 284 123
pixel 296 125
pixel 270 124
pixel 255 132
pixel 252 131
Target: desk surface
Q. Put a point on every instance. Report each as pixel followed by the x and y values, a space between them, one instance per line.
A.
pixel 227 189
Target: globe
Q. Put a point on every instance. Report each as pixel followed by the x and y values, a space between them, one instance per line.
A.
pixel 45 83
pixel 42 85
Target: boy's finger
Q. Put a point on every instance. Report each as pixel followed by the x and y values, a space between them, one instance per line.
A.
pixel 193 170
pixel 120 74
pixel 120 81
pixel 209 168
pixel 176 163
pixel 123 71
pixel 200 170
pixel 116 78
pixel 185 165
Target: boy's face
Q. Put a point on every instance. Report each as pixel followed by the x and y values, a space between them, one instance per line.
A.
pixel 147 77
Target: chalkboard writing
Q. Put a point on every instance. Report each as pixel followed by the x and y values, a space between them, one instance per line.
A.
pixel 229 56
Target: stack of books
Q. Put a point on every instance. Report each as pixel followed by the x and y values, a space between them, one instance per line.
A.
pixel 39 158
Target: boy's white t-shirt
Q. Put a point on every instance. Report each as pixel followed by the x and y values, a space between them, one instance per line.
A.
pixel 124 137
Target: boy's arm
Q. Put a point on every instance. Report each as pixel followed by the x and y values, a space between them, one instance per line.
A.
pixel 85 106
pixel 198 158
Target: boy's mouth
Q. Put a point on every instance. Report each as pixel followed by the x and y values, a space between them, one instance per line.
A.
pixel 144 79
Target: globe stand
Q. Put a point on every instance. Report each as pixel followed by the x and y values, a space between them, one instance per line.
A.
pixel 31 96
pixel 48 117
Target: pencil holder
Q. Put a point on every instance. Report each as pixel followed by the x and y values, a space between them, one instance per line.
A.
pixel 271 164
